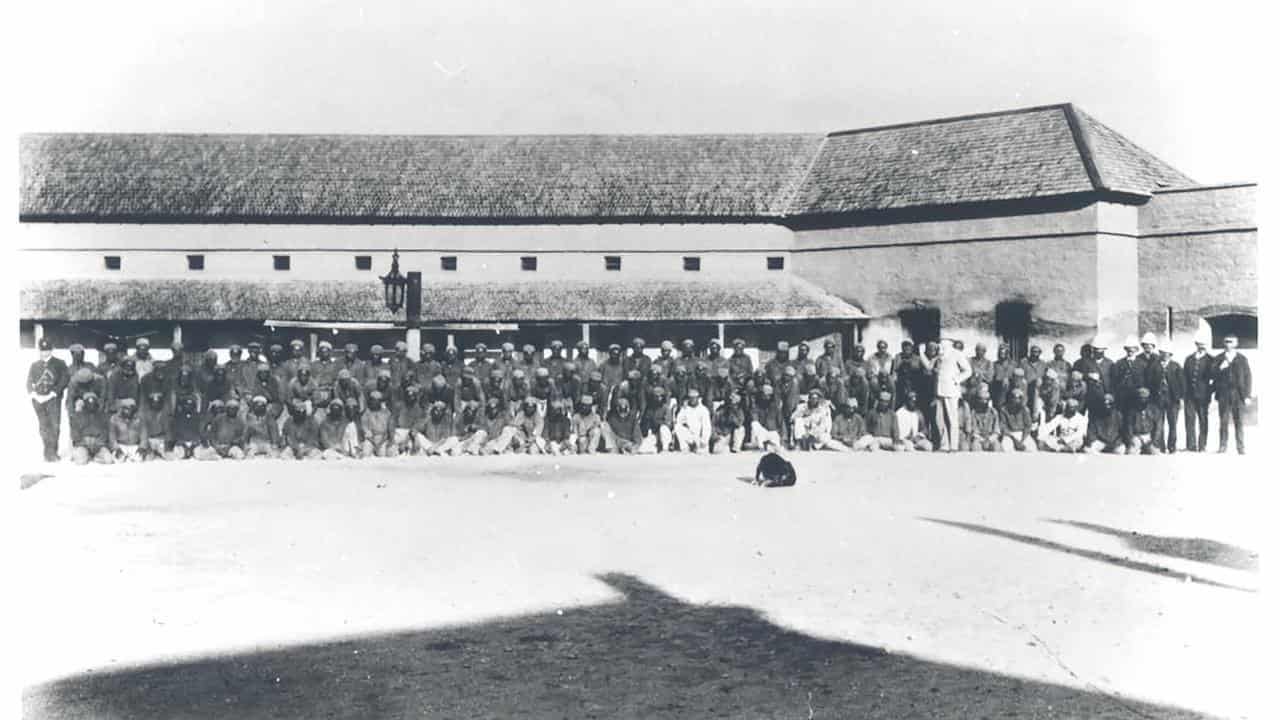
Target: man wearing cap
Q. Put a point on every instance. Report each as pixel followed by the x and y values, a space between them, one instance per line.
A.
pixel 108 359
pixel 378 363
pixel 507 361
pixel 530 359
pixel 830 356
pixel 656 421
pixel 720 388
pixel 228 432
pixel 124 432
pixel 807 378
pixel 1016 424
pixel 582 361
pixel 811 424
pixel 279 363
pixel 261 431
pixel 613 370
pixel 248 368
pixel 882 424
pixel 982 370
pixel 1127 375
pixel 715 357
pixel 621 429
pixel 301 388
pixel 1197 373
pixel 428 365
pixel 857 359
pixel 650 387
pixel 301 434
pixel 1106 368
pixel 204 450
pixel 346 388
pixel 637 360
pixel 333 432
pixel 142 360
pixel 980 427
pixel 407 415
pixel 833 387
pixel 434 435
pixel 913 430
pixel 1167 384
pixel 585 431
pixel 1060 365
pixel 528 437
pixel 235 369
pixel 324 371
pixel 188 426
pixel 1002 375
pixel 1077 389
pixel 1049 404
pixel 1140 424
pixel 666 361
pixel 908 369
pixel 156 427
pixel 543 389
pixel 123 384
pixel 481 362
pixel 377 427
pixel 1033 367
pixel 77 364
pixel 555 357
pixel 452 365
pixel 90 432
pixel 1065 432
pixel 1148 345
pixel 297 357
pixel 1105 430
pixel 1233 389
pixel 569 384
pixel 767 421
pixel 556 428
pixel 469 429
pixel 83 382
pixel 858 387
pixel 47 379
pixel 688 358
pixel 498 426
pixel 400 363
pixel 951 371
pixel 779 362
pixel 692 428
pixel 1085 364
pixel 787 390
pixel 849 428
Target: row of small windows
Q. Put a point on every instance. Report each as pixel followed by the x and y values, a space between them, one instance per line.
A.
pixel 529 263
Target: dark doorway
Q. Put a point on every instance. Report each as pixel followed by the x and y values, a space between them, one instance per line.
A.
pixel 922 324
pixel 1244 327
pixel 1013 326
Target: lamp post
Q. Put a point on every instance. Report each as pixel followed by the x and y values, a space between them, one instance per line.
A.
pixel 405 291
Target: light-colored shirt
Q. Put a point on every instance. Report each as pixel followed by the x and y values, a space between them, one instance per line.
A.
pixel 697 419
pixel 909 422
pixel 952 370
pixel 1068 429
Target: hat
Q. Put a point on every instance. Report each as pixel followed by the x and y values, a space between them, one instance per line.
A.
pixel 739 342
pixel 885 396
pixel 295 343
pixel 75 348
pixel 583 345
pixel 275 347
pixel 375 349
pixel 1097 343
pixel 668 345
pixel 375 395
pixel 83 375
pixel 766 389
pixel 1072 402
pixel 335 402
pixel 693 393
pixel 232 402
pixel 263 367
pixel 1149 338
pixel 1019 371
pixel 1050 372
pixel 637 342
pixel 829 343
pixel 518 373
pixel 45 344
pixel 89 396
pixel 542 372
pixel 496 373
pixel 428 347
pixel 815 392
pixel 714 341
pixel 142 342
pixel 481 347
pixel 254 345
pixel 528 348
pixel 586 400
pixel 508 347
pixel 557 343
pixel 235 349
pixel 569 365
pixel 258 400
pixel 325 344
pixel 351 402
pixel 686 343
pixel 127 402
pixel 614 346
pixel 789 370
pixel 803 344
pixel 351 347
pixel 344 374
pixel 634 374
pixel 595 375
pixel 1017 392
pixel 1130 341
pixel 783 345
pixel 1143 392
pixel 851 401
pixel 384 373
pixel 402 345
pixel 215 404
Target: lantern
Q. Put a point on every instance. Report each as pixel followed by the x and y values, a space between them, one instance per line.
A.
pixel 393 285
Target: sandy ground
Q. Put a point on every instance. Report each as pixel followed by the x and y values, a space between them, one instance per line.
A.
pixel 965 560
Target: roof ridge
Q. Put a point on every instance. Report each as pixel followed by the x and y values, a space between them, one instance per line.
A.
pixel 1091 127
pixel 1084 145
pixel 953 118
pixel 786 209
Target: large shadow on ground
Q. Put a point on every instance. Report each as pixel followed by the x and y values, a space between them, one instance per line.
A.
pixel 1202 550
pixel 648 656
pixel 1116 560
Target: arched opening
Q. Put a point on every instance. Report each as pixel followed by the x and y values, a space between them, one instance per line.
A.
pixel 1243 326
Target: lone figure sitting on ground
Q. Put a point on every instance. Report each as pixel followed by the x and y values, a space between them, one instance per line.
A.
pixel 773 470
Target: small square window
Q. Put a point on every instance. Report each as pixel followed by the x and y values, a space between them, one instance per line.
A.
pixel 449 262
pixel 111 261
pixel 195 262
pixel 364 262
pixel 280 262
pixel 775 262
pixel 693 264
pixel 612 262
pixel 529 262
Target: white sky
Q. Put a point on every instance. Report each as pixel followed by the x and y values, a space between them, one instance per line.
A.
pixel 1181 81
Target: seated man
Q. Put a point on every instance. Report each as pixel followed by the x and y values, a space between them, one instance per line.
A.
pixel 499 426
pixel 407 413
pixel 261 432
pixel 693 424
pixel 470 428
pixel 188 428
pixel 622 429
pixel 157 427
pixel 728 424
pixel 1105 429
pixel 353 439
pixel 913 431
pixel 1142 425
pixel 528 437
pixel 301 434
pixel 1065 432
pixel 556 428
pixel 656 423
pixel 980 425
pixel 849 428
pixel 882 424
pixel 585 428
pixel 767 421
pixel 812 424
pixel 773 470
pixel 213 416
pixel 435 433
pixel 377 427
pixel 227 438
pixel 124 433
pixel 1015 423
pixel 333 431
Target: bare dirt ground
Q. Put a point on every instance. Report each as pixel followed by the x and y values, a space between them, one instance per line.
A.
pixel 886 586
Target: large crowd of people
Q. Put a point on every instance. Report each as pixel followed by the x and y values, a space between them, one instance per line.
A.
pixel 275 402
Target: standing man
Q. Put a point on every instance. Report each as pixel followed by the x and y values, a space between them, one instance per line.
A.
pixel 1168 386
pixel 1197 374
pixel 951 371
pixel 982 369
pixel 1233 389
pixel 47 378
pixel 780 360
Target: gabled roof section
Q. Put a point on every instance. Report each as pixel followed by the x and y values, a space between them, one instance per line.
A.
pixel 389 178
pixel 1122 165
pixel 1024 154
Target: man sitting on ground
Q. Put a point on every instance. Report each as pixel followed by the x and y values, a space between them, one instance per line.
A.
pixel 773 470
pixel 1065 432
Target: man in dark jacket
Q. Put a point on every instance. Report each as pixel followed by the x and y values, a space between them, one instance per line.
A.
pixel 1141 423
pixel 1233 389
pixel 1104 432
pixel 47 379
pixel 90 432
pixel 773 470
pixel 1197 373
pixel 1168 385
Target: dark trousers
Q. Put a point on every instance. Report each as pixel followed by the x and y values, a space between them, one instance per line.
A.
pixel 49 417
pixel 1197 423
pixel 1168 420
pixel 1232 413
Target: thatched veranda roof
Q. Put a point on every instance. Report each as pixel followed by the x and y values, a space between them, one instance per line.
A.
pixel 1019 154
pixel 775 298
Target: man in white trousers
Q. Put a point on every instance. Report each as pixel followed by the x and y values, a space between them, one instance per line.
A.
pixel 951 371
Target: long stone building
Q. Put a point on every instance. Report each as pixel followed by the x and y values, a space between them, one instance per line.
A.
pixel 1035 225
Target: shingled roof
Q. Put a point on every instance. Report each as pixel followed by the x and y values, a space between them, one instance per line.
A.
pixel 777 297
pixel 1018 154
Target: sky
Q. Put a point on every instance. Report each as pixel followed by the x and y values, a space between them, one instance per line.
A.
pixel 1181 81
